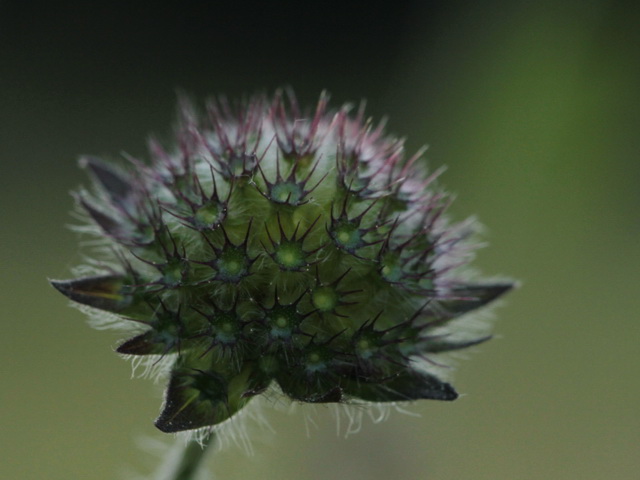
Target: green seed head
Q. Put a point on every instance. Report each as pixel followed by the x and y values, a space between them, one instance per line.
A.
pixel 275 246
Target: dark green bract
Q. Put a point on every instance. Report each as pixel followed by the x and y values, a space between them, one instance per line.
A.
pixel 275 247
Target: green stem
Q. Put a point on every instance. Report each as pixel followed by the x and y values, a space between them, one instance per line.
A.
pixel 184 464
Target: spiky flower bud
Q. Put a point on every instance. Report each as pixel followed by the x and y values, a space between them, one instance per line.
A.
pixel 272 246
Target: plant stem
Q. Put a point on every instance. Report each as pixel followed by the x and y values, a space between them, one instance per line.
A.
pixel 184 464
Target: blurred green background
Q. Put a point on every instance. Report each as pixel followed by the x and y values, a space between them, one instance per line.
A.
pixel 534 106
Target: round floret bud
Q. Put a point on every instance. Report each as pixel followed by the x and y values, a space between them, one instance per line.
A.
pixel 275 245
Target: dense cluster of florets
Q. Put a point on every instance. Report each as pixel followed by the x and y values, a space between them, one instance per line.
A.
pixel 272 246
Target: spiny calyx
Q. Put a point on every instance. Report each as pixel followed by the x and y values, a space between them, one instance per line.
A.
pixel 271 246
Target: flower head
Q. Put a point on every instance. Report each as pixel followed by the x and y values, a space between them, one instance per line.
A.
pixel 271 246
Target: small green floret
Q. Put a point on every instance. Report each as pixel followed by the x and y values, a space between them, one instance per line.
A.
pixel 290 256
pixel 325 299
pixel 348 237
pixel 232 266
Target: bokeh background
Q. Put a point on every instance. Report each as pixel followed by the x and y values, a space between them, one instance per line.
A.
pixel 534 106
